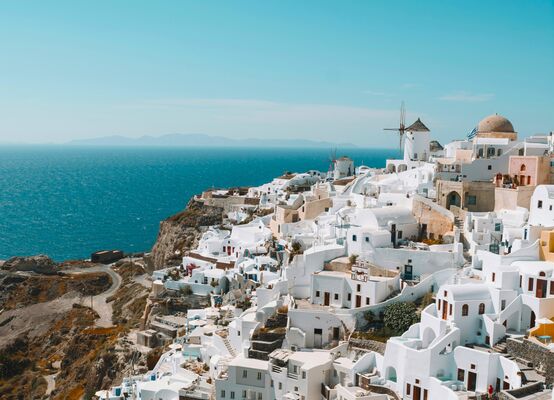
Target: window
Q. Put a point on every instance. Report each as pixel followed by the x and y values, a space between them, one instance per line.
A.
pixel 259 396
pixel 259 376
pixel 232 395
pixel 303 374
pixel 408 389
pixel 244 373
pixel 465 310
pixel 223 394
pixel 471 200
pixel 520 280
pixel 358 287
pixel 399 234
pixel 244 394
pixel 481 308
pixel 539 204
pixel 450 309
pixel 317 293
pixel 502 305
pixel 354 238
pixel 552 287
pixel 367 237
pixel 461 375
pixel 280 385
pixel 336 296
pixel 522 168
pixel 530 284
pixel 493 276
pixel 367 301
pixel 349 296
pixel 489 167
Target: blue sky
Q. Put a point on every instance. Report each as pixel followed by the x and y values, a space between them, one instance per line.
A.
pixel 328 70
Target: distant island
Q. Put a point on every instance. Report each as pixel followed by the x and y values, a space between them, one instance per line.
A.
pixel 201 140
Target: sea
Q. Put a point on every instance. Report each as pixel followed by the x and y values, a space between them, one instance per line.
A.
pixel 67 202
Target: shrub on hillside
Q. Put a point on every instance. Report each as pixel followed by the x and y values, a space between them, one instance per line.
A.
pixel 400 316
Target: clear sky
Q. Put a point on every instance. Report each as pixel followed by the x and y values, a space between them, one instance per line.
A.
pixel 328 70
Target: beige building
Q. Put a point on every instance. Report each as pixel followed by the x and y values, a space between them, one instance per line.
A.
pixel 547 246
pixel 307 206
pixel 466 195
pixel 434 220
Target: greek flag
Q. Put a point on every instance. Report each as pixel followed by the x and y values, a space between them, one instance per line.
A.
pixel 472 134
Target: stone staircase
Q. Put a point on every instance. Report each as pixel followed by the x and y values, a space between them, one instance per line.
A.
pixel 228 346
pixel 459 223
pixel 500 347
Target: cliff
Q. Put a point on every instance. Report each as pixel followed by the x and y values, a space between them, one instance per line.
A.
pixel 181 232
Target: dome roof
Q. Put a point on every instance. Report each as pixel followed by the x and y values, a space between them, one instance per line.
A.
pixel 495 123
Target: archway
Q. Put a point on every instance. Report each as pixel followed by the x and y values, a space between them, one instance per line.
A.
pixel 453 199
pixel 391 168
pixel 390 374
pixel 427 337
pixel 402 168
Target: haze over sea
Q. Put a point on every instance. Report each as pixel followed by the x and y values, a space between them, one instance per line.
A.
pixel 67 202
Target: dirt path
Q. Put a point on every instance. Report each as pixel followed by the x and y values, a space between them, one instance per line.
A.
pixel 99 303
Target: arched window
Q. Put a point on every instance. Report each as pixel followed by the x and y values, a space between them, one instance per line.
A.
pixel 481 308
pixel 465 310
pixel 542 273
pixel 522 168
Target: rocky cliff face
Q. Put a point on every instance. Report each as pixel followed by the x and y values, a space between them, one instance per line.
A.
pixel 40 264
pixel 181 232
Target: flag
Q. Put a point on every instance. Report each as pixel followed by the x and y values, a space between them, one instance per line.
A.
pixel 472 134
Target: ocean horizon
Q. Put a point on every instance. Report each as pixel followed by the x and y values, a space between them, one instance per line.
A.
pixel 69 201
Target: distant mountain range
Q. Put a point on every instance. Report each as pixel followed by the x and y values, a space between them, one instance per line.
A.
pixel 201 140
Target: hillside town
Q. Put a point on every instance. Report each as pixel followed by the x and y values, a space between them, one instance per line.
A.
pixel 431 278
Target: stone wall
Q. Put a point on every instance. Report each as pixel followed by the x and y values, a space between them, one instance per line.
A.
pixel 367 344
pixel 541 357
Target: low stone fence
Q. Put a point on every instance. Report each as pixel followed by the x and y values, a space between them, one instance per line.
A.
pixel 367 344
pixel 541 357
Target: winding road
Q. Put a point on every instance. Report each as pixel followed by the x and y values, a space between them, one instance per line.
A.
pixel 99 303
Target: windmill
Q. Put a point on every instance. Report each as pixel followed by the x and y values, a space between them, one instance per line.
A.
pixel 402 127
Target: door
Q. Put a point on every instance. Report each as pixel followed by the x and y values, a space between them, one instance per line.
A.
pixel 471 381
pixel 417 393
pixel 336 333
pixel 326 299
pixel 532 321
pixel 444 309
pixel 358 300
pixel 318 333
pixel 393 234
pixel 424 394
pixel 541 288
pixel 408 274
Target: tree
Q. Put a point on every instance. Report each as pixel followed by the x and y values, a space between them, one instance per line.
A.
pixel 400 316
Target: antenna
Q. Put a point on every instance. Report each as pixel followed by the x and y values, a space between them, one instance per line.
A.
pixel 332 159
pixel 402 126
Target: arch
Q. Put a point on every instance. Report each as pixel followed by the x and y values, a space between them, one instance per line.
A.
pixel 523 167
pixel 481 308
pixel 391 168
pixel 465 310
pixel 402 168
pixel 390 374
pixel 428 337
pixel 453 199
pixel 542 273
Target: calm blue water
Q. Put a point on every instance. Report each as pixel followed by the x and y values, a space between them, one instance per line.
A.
pixel 67 202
